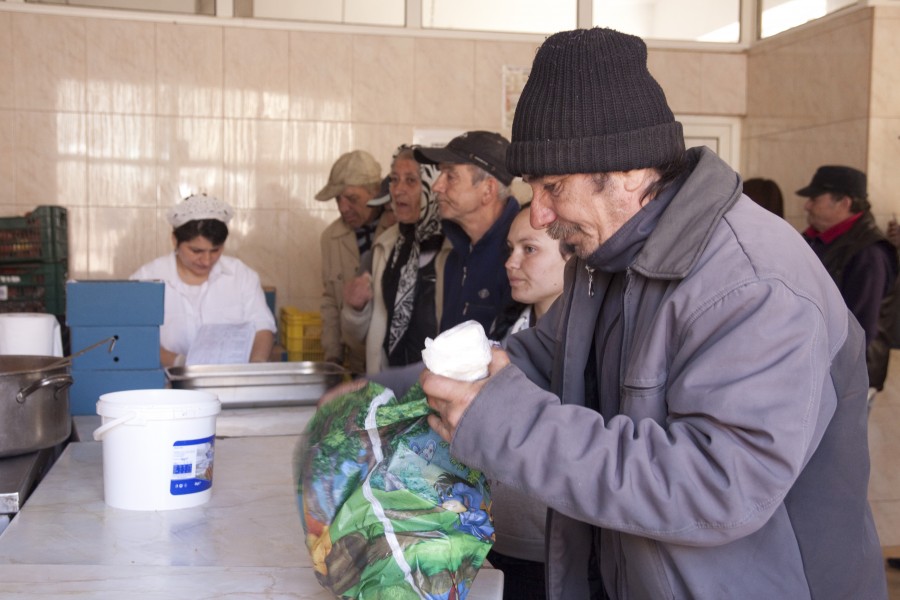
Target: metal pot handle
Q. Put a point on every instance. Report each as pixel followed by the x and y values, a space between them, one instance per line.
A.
pixel 66 360
pixel 61 381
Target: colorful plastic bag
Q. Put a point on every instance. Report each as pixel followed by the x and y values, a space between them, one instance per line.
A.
pixel 386 511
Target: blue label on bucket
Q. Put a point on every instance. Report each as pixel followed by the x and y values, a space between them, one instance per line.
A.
pixel 192 466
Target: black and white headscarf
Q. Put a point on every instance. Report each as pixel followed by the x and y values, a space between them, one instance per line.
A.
pixel 416 239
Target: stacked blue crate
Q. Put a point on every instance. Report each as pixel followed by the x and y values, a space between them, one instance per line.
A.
pixel 129 312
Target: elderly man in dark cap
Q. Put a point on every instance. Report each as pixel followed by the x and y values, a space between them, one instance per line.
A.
pixel 477 210
pixel 857 255
pixel 693 407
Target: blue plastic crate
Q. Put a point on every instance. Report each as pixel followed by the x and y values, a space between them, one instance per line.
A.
pixel 98 303
pixel 88 386
pixel 134 348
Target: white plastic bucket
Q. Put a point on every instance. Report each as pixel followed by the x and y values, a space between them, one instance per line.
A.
pixel 31 334
pixel 158 447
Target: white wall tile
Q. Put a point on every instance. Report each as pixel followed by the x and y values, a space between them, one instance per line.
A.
pixel 7 89
pixel 49 62
pixel 256 73
pixel 121 67
pixel 189 70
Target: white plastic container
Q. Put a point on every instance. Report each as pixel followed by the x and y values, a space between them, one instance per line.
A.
pixel 30 334
pixel 158 448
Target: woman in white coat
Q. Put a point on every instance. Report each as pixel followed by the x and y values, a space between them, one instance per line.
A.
pixel 203 286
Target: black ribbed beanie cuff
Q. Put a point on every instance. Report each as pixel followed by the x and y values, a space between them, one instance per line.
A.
pixel 591 106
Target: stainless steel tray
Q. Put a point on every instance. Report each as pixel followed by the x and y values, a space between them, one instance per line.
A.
pixel 260 384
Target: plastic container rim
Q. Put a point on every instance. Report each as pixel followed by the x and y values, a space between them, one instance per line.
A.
pixel 156 404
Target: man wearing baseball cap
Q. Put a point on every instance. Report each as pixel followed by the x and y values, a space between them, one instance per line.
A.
pixel 477 210
pixel 692 409
pixel 857 255
pixel 355 179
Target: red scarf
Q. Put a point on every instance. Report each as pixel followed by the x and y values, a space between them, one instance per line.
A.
pixel 833 233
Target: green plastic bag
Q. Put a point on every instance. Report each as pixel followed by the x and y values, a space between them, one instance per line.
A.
pixel 387 512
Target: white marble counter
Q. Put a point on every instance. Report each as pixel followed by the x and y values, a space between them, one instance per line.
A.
pixel 127 582
pixel 246 542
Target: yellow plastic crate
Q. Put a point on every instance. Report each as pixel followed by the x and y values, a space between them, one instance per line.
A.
pixel 301 334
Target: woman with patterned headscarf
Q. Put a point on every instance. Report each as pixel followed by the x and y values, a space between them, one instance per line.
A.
pixel 398 305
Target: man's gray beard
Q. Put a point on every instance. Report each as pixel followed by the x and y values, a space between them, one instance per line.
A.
pixel 559 231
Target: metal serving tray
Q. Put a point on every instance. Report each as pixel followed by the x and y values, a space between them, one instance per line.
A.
pixel 260 384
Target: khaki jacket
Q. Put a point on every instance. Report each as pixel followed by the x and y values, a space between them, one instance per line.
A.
pixel 340 262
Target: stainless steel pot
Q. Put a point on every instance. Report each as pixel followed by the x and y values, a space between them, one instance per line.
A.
pixel 34 403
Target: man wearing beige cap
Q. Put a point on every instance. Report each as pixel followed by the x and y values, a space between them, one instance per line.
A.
pixel 355 179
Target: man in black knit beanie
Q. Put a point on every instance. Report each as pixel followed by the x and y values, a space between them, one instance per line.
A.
pixel 692 409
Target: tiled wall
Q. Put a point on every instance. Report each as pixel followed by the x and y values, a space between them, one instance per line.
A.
pixel 827 93
pixel 884 122
pixel 108 116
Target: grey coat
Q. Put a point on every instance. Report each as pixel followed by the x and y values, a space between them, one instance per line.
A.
pixel 738 465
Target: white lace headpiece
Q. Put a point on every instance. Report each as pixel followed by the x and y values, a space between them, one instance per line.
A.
pixel 196 207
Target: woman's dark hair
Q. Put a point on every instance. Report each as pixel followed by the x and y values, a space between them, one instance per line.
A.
pixel 212 229
pixel 766 193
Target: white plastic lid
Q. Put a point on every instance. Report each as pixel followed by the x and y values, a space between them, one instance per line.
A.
pixel 159 404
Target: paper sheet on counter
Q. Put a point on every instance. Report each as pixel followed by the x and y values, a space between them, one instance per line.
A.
pixel 222 344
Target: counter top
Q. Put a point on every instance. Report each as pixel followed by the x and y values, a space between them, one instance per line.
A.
pixel 247 541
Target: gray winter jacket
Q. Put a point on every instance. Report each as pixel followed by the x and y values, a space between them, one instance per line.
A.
pixel 738 465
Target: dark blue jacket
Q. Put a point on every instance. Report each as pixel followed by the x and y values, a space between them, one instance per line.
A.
pixel 475 282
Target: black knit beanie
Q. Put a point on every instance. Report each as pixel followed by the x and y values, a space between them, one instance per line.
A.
pixel 591 106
